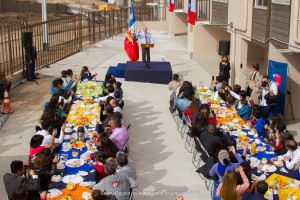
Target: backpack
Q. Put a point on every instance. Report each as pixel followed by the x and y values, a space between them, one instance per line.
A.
pixel 272 99
pixel 172 102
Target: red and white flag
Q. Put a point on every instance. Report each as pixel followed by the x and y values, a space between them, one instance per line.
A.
pixel 192 12
pixel 171 6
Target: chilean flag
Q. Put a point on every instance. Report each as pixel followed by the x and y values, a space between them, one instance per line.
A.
pixel 171 6
pixel 192 12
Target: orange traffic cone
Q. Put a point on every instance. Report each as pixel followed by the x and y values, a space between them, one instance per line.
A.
pixel 6 105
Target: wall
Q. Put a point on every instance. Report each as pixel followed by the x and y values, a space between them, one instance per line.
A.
pixel 293 61
pixel 177 23
pixel 206 39
pixel 155 25
pixel 294 38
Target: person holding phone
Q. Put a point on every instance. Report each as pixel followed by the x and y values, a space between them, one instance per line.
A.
pixel 216 85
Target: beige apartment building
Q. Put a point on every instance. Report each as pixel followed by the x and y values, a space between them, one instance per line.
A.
pixel 258 31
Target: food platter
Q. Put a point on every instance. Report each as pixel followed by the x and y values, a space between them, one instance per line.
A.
pixel 74 163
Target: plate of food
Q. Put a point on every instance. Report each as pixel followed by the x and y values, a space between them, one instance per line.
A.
pixel 78 145
pixel 56 178
pixel 86 195
pixel 74 163
pixel 254 162
pixel 278 163
pixel 68 130
pixel 236 120
pixel 52 193
pixel 82 173
pixel 244 138
pixel 88 183
pixel 261 149
pixel 75 179
pixel 251 133
pixel 269 168
pixel 258 178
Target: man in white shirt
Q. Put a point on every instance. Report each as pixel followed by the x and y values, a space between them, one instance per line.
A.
pixel 145 38
pixel 46 125
pixel 115 105
pixel 292 157
pixel 271 87
pixel 110 90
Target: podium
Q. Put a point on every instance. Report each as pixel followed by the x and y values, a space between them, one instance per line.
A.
pixel 147 45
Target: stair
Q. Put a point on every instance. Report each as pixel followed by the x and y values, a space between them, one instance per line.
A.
pixel 117 71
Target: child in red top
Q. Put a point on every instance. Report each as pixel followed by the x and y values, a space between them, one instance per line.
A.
pixel 99 165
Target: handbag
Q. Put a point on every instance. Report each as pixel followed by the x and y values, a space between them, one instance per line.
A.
pixel 252 85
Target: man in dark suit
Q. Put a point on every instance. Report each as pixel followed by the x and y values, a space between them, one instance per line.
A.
pixel 15 179
pixel 30 54
pixel 260 189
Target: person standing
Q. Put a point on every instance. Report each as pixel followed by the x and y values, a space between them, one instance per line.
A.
pixel 30 55
pixel 224 69
pixel 145 38
pixel 269 89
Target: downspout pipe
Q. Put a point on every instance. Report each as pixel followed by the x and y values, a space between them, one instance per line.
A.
pixel 296 23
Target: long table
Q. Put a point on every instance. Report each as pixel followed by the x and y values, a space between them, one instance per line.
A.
pixel 88 92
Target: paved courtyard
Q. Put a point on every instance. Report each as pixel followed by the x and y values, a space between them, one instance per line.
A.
pixel 163 165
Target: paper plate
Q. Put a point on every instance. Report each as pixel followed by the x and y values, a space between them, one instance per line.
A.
pixel 72 178
pixel 74 163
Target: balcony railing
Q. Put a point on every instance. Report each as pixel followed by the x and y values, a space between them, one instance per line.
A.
pixel 178 4
pixel 203 10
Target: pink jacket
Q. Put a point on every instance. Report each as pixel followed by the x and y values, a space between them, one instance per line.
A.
pixel 240 189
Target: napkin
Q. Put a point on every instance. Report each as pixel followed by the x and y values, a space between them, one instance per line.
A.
pixel 269 152
pixel 283 170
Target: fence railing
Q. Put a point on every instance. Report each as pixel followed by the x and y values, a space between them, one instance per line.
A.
pixel 65 36
pixel 203 10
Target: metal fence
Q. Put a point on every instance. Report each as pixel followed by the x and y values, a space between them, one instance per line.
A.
pixel 66 36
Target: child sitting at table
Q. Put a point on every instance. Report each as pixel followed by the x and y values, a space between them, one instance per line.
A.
pixel 99 165
pixel 259 124
pixel 245 111
pixel 86 74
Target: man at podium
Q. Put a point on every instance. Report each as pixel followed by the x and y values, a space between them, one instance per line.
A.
pixel 146 42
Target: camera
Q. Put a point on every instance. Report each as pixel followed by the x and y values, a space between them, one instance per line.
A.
pixel 264 84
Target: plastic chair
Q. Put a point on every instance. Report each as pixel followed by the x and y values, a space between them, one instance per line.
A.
pixel 189 142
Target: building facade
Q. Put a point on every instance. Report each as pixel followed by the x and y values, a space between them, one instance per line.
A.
pixel 258 31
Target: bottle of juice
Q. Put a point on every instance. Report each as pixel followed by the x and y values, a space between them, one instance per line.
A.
pixel 253 149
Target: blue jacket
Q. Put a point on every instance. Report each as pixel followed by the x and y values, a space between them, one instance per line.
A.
pixel 259 125
pixel 182 103
pixel 244 112
pixel 257 196
pixel 54 90
pixel 87 76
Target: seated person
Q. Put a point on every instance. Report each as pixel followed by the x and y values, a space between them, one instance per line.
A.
pixel 241 96
pixel 125 165
pixel 259 124
pixel 183 100
pixel 99 164
pixel 261 187
pixel 117 87
pixel 229 189
pixel 211 139
pixel 175 83
pixel 20 193
pixel 102 195
pixel 199 122
pixel 38 164
pixel 86 74
pixel 191 109
pixel 15 179
pixel 115 104
pixel 116 183
pixel 109 111
pixel 109 93
pixel 46 127
pixel 109 80
pixel 56 121
pixel 58 84
pixel 119 99
pixel 292 157
pixel 119 133
pixel 217 85
pixel 224 163
pixel 245 111
pixel 106 147
pixel 35 145
pixel 5 83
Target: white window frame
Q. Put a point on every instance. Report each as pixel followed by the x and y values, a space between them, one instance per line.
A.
pixel 282 2
pixel 260 6
pixel 221 1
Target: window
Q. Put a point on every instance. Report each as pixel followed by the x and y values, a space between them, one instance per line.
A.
pixel 261 3
pixel 283 2
pixel 222 1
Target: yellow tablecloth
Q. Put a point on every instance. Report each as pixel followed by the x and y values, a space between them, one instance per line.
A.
pixel 80 113
pixel 284 192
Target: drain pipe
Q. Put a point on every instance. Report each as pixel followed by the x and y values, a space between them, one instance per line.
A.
pixel 296 22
